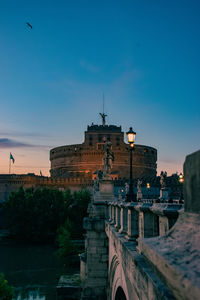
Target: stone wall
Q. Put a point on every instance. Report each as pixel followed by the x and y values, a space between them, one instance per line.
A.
pixel 84 159
pixel 11 183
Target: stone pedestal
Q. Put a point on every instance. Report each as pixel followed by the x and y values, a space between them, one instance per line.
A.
pixel 106 186
pixel 106 191
pixel 94 267
pixel 139 196
pixel 164 195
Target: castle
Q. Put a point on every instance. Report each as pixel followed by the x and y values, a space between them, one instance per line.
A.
pixel 83 160
pixel 75 166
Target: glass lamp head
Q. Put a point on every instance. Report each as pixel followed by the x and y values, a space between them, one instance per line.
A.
pixel 131 136
pixel 181 179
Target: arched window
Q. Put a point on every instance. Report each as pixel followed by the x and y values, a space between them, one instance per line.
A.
pixel 120 294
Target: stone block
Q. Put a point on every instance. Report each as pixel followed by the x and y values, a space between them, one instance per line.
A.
pixel 95 242
pixel 192 183
pixel 93 224
pixel 104 258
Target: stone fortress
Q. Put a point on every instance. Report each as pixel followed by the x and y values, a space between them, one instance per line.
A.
pixel 76 166
pixel 83 160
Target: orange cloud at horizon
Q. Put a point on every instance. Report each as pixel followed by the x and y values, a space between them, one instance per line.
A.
pixel 36 160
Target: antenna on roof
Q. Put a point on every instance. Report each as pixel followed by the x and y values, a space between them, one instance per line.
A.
pixel 103 116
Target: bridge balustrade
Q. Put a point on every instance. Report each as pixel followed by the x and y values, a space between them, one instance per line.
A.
pixel 143 219
pixel 123 217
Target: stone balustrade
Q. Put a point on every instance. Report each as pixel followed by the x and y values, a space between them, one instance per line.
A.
pixel 142 219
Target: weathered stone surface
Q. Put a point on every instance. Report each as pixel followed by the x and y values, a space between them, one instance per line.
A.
pixel 192 183
pixel 129 270
pixel 69 287
pixel 177 256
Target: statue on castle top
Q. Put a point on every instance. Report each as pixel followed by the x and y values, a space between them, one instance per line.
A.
pixel 108 159
pixel 103 116
pixel 163 176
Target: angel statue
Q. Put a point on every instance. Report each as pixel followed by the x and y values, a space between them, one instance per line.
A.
pixel 108 159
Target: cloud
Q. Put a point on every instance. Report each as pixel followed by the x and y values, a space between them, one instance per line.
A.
pixel 24 134
pixel 9 143
pixel 89 67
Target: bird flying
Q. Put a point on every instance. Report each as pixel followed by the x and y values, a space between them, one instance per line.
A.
pixel 29 25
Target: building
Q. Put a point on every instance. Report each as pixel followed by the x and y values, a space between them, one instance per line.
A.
pixel 75 166
pixel 83 160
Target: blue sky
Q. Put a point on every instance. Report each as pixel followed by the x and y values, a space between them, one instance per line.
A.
pixel 143 55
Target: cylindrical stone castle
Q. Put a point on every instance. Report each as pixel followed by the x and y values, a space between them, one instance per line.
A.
pixel 83 160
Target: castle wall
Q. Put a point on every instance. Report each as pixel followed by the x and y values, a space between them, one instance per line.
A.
pixel 12 183
pixel 83 160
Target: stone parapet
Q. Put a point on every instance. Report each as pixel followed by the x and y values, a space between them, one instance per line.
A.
pixel 176 255
pixel 192 183
pixel 146 219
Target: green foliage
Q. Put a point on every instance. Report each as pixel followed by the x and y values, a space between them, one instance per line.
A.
pixel 6 291
pixel 65 245
pixel 35 215
pixel 77 211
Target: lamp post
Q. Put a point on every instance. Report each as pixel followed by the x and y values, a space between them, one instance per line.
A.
pixel 131 139
pixel 148 187
pixel 181 180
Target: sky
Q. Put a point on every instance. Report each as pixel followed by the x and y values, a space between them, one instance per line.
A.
pixel 142 54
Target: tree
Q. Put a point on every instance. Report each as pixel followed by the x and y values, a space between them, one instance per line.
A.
pixel 77 211
pixel 65 244
pixel 6 291
pixel 36 214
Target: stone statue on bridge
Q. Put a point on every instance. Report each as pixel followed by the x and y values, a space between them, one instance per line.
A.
pixel 139 190
pixel 108 159
pixel 139 183
pixel 163 176
pixel 97 179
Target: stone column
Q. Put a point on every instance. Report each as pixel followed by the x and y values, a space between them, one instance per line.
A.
pixel 96 266
pixel 124 217
pixel 118 216
pixel 167 215
pixel 147 221
pixel 132 225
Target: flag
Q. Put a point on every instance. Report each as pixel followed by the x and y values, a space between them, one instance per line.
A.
pixel 12 158
pixel 40 173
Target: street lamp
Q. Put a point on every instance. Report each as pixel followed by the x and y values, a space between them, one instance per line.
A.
pixel 131 139
pixel 148 187
pixel 181 180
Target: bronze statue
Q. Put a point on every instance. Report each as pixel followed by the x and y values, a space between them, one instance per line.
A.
pixel 103 118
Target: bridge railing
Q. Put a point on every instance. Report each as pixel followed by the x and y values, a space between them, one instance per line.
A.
pixel 142 219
